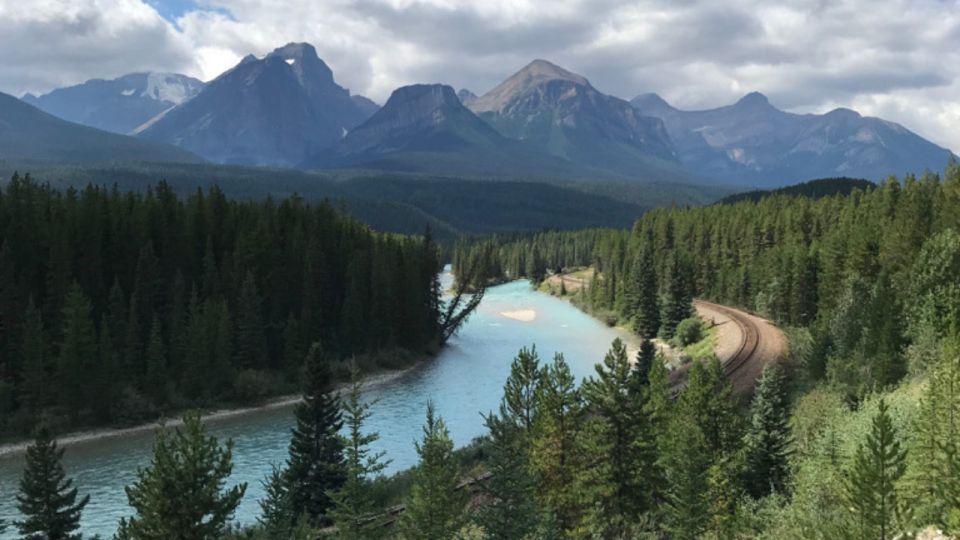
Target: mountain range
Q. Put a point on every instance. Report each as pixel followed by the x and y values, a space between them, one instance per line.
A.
pixel 119 105
pixel 286 109
pixel 753 143
pixel 276 110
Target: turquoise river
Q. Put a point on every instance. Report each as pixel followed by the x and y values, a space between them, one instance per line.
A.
pixel 464 380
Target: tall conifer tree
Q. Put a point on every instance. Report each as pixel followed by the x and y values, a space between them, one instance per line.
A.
pixel 435 507
pixel 47 498
pixel 315 468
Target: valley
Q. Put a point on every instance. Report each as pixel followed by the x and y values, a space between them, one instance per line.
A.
pixel 425 271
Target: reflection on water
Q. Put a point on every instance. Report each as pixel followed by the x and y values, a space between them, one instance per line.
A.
pixel 465 380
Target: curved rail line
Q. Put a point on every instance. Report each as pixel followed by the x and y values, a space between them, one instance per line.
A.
pixel 749 338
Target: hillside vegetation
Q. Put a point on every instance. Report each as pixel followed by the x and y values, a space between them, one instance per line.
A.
pixel 867 286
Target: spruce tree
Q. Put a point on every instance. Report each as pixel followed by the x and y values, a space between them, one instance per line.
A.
pixel 34 375
pixel 679 296
pixel 646 356
pixel 353 504
pixel 155 382
pixel 767 442
pixel 557 456
pixel 78 352
pixel 435 507
pixel 685 457
pixel 47 498
pixel 251 350
pixel 521 389
pixel 510 510
pixel 871 480
pixel 620 443
pixel 935 451
pixel 315 466
pixel 646 320
pixel 276 509
pixel 182 494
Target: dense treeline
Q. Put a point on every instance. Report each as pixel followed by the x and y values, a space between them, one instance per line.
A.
pixel 868 287
pixel 872 274
pixel 115 305
pixel 816 189
pixel 388 202
pixel 619 457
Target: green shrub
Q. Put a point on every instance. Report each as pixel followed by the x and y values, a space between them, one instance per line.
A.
pixel 689 331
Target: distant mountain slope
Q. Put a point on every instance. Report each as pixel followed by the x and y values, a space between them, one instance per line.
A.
pixel 562 114
pixel 119 105
pixel 276 110
pixel 424 128
pixel 27 133
pixel 754 143
pixel 366 105
pixel 453 206
pixel 814 189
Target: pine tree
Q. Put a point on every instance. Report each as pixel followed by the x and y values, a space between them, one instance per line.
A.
pixel 557 456
pixel 293 353
pixel 871 480
pixel 679 297
pixel 47 499
pixel 510 510
pixel 315 467
pixel 353 503
pixel 768 440
pixel 699 454
pixel 935 452
pixel 435 507
pixel 620 445
pixel 155 382
pixel 276 510
pixel 34 388
pixel 646 356
pixel 251 350
pixel 520 391
pixel 646 320
pixel 78 352
pixel 182 494
pixel 686 458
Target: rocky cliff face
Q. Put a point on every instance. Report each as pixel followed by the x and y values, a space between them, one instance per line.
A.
pixel 119 105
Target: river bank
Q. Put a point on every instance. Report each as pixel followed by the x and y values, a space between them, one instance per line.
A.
pixel 19 447
pixel 464 382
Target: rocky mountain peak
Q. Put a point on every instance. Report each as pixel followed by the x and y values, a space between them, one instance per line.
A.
pixel 302 57
pixel 533 75
pixel 651 104
pixel 753 100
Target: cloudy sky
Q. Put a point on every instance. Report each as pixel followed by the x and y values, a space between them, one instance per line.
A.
pixel 897 59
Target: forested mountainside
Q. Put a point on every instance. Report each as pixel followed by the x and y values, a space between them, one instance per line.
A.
pixel 401 203
pixel 115 306
pixel 823 187
pixel 866 285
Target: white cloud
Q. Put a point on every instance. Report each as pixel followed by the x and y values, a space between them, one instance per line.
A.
pixel 49 43
pixel 898 59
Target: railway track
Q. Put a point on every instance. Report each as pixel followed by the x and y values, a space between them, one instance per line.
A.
pixel 749 340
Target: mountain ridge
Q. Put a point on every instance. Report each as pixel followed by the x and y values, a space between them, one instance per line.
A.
pixel 273 111
pixel 27 133
pixel 752 142
pixel 118 105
